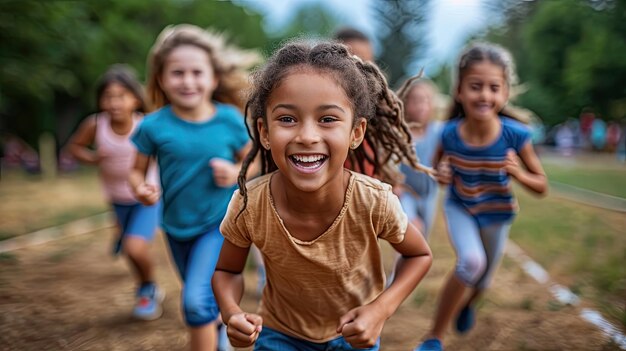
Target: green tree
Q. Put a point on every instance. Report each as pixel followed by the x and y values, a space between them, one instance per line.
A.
pixel 310 21
pixel 570 55
pixel 401 35
pixel 52 52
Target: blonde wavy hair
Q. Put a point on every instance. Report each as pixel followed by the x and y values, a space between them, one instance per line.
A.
pixel 229 63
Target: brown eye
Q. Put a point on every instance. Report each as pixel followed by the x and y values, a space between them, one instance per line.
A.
pixel 286 119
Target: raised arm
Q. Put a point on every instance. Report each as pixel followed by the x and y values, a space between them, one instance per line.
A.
pixel 243 328
pixel 443 173
pixel 532 176
pixel 82 138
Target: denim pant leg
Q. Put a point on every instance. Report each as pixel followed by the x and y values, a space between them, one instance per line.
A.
pixel 494 239
pixel 427 208
pixel 144 221
pixel 273 340
pixel 465 237
pixel 423 208
pixel 196 261
pixel 340 344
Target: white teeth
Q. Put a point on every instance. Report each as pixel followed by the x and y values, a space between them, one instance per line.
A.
pixel 312 158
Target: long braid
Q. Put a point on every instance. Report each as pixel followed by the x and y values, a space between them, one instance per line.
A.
pixel 387 132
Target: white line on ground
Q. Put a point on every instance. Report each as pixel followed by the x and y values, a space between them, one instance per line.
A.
pixel 563 294
pixel 588 197
pixel 77 227
pixel 532 268
pixel 596 319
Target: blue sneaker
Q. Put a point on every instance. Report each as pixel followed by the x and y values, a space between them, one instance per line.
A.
pixel 430 345
pixel 466 319
pixel 149 300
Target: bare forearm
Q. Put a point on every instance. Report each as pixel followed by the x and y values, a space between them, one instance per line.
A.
pixel 84 154
pixel 409 272
pixel 536 183
pixel 136 178
pixel 228 288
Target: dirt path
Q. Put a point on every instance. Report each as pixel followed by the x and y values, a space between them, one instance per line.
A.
pixel 71 295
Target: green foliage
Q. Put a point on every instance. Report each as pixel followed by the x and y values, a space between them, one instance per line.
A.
pixel 570 55
pixel 312 20
pixel 607 181
pixel 52 52
pixel 443 79
pixel 401 35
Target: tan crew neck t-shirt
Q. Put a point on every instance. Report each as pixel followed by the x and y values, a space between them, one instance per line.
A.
pixel 311 284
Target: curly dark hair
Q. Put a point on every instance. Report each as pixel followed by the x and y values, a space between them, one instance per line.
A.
pixel 366 89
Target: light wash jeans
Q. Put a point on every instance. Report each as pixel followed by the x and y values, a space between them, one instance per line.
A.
pixel 478 250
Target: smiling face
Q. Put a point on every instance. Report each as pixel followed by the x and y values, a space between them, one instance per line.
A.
pixel 483 90
pixel 309 129
pixel 188 79
pixel 118 101
pixel 419 104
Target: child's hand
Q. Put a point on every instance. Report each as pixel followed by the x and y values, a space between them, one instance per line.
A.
pixel 361 326
pixel 511 164
pixel 443 173
pixel 225 173
pixel 147 194
pixel 244 328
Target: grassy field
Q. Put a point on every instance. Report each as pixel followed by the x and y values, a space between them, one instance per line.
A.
pixel 582 247
pixel 30 202
pixel 607 181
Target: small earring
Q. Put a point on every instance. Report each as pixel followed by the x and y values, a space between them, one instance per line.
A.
pixel 353 145
pixel 267 146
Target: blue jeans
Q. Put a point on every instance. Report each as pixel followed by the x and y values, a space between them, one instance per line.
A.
pixel 273 340
pixel 478 250
pixel 196 260
pixel 137 219
pixel 423 208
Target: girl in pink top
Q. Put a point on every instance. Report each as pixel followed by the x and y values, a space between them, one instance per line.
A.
pixel 121 100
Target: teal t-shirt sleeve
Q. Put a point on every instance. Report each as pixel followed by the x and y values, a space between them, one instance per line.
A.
pixel 141 139
pixel 240 131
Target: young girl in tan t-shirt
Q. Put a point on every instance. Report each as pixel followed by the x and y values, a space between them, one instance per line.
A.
pixel 317 224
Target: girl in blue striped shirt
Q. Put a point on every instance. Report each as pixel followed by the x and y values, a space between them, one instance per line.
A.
pixel 483 147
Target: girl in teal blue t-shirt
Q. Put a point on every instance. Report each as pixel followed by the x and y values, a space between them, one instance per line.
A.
pixel 199 144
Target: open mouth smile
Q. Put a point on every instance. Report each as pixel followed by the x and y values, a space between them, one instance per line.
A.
pixel 308 163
